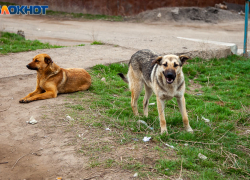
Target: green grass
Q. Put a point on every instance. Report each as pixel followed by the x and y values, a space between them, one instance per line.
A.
pixel 225 100
pixel 12 43
pixel 97 43
pixel 84 16
pixel 6 3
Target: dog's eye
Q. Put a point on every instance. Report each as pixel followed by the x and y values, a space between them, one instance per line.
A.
pixel 36 60
pixel 165 64
pixel 175 65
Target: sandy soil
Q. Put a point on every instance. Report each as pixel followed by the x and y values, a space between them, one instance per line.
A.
pixel 41 151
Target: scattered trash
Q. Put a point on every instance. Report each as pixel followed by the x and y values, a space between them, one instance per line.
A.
pixel 220 6
pixel 103 79
pixel 247 131
pixel 169 146
pixel 136 175
pixel 199 94
pixel 241 13
pixel 69 118
pixel 186 144
pixel 175 11
pixel 115 95
pixel 151 104
pixel 135 139
pixel 38 29
pixel 107 129
pixel 206 120
pixel 32 120
pixel 143 122
pixel 159 15
pixel 166 169
pixel 146 139
pixel 59 178
pixel 201 156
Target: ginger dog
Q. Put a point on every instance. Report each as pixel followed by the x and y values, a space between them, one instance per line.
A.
pixel 52 80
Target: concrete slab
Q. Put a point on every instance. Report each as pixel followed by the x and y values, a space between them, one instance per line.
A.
pixel 232 46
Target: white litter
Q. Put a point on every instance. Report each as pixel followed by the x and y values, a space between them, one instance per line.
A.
pixel 146 139
pixel 103 79
pixel 159 15
pixel 169 146
pixel 186 144
pixel 206 120
pixel 32 120
pixel 136 175
pixel 151 104
pixel 69 118
pixel 107 129
pixel 201 156
pixel 143 122
pixel 175 11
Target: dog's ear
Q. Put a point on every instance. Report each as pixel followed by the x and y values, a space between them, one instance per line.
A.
pixel 183 58
pixel 47 59
pixel 157 60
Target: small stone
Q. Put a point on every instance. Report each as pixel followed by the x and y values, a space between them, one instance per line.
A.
pixel 103 79
pixel 32 120
pixel 201 156
pixel 69 118
pixel 136 175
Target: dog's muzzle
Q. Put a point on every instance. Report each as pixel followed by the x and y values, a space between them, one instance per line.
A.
pixel 170 77
pixel 28 66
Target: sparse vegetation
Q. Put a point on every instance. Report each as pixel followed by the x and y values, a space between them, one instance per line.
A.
pixel 224 99
pixel 84 16
pixel 12 43
pixel 97 43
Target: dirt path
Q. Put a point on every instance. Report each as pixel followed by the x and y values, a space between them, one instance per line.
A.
pixel 41 151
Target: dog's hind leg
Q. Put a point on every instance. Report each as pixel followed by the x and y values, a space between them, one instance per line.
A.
pixel 182 107
pixel 148 93
pixel 135 85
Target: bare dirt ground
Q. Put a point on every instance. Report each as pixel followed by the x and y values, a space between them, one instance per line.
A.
pixel 45 150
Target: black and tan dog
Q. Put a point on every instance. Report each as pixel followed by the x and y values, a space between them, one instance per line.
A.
pixel 52 80
pixel 159 74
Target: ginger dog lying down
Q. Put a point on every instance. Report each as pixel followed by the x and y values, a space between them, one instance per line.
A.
pixel 51 79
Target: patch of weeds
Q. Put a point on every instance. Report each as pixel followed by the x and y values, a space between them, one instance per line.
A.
pixel 6 3
pixel 94 163
pixel 76 107
pixel 109 163
pixel 81 45
pixel 12 43
pixel 84 16
pixel 97 43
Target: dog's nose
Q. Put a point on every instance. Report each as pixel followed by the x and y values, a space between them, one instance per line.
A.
pixel 27 66
pixel 170 75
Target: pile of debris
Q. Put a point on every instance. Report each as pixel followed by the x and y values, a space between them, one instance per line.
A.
pixel 216 14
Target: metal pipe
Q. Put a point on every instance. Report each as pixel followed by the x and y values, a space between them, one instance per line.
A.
pixel 246 28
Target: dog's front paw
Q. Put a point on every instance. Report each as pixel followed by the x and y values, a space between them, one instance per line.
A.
pixel 164 131
pixel 189 129
pixel 24 100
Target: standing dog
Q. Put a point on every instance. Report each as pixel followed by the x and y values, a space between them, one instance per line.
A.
pixel 162 75
pixel 51 79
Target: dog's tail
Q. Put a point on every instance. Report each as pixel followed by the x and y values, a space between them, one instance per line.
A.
pixel 123 77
